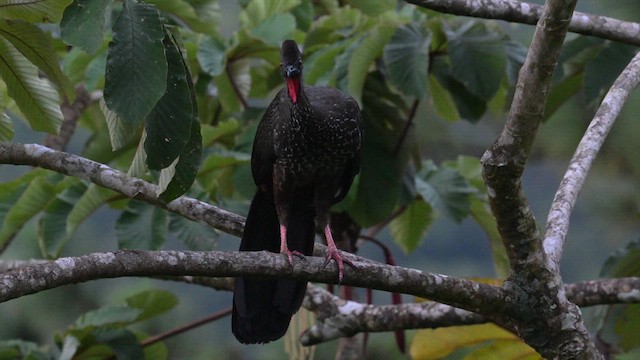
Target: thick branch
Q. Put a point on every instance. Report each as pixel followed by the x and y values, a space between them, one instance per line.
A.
pixel 565 198
pixel 527 13
pixel 469 295
pixel 99 174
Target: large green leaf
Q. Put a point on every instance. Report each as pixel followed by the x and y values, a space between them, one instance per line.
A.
pixel 196 236
pixel 407 59
pixel 211 56
pixel 19 349
pixel 152 303
pixel 36 46
pixel 234 84
pixel 197 16
pixel 6 127
pixel 83 24
pixel 468 105
pixel 185 170
pixel 121 133
pixel 141 226
pixel 34 199
pixel 446 190
pixel 320 64
pixel 601 72
pixel 411 226
pixel 123 342
pixel 275 28
pixel 442 100
pixel 136 73
pixel 52 227
pixel 478 59
pixel 168 125
pixel 33 11
pixel 108 315
pixel 259 10
pixel 367 51
pixel 35 98
pixel 374 8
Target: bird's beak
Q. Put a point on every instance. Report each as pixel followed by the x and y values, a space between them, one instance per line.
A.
pixel 292 71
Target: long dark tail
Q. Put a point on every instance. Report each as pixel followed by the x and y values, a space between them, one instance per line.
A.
pixel 262 309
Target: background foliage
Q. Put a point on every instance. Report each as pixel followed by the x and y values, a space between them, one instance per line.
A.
pixel 178 88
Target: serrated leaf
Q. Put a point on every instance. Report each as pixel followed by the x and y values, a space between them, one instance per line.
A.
pixel 369 49
pixel 411 226
pixel 35 45
pixel 121 133
pixel 168 125
pixel 35 98
pixel 141 226
pixel 446 190
pixel 478 59
pixel 108 315
pixel 136 72
pixel 211 56
pixel 152 303
pixel 82 24
pixel 435 344
pixel 406 56
pixel 33 11
pixel 34 199
pixel 196 236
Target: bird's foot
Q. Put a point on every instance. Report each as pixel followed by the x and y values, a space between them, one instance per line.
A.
pixel 290 254
pixel 334 253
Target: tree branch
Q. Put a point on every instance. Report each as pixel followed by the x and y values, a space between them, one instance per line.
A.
pixel 466 294
pixel 565 198
pixel 100 174
pixel 528 13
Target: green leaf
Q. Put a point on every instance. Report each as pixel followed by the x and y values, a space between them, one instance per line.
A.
pixel 367 51
pixel 211 56
pixel 304 15
pixel 407 59
pixel 35 45
pixel 82 24
pixel 168 125
pixel 562 92
pixel 33 11
pixel 478 59
pixel 374 8
pixel 136 73
pixel 34 199
pixel 212 134
pixel 601 72
pixel 321 63
pixel 186 168
pixel 53 233
pixel 141 226
pixel 123 342
pixel 233 84
pixel 197 16
pixel 35 98
pixel 446 190
pixel 69 348
pixel 121 133
pixel 196 236
pixel 6 128
pixel 20 349
pixel 443 102
pixel 259 10
pixel 94 197
pixel 112 315
pixel 411 226
pixel 627 327
pixel 468 105
pixel 623 262
pixel 275 28
pixel 152 303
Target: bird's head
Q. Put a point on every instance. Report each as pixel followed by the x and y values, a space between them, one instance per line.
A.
pixel 291 68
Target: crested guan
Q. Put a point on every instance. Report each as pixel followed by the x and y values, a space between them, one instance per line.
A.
pixel 305 155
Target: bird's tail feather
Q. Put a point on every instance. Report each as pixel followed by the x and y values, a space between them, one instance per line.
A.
pixel 262 308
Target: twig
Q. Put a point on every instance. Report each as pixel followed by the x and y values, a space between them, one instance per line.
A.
pixel 180 329
pixel 407 126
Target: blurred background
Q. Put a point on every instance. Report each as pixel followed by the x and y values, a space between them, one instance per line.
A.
pixel 605 218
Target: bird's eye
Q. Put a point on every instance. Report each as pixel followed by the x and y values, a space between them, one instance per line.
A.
pixel 299 62
pixel 280 64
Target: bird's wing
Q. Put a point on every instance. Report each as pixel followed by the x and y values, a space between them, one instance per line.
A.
pixel 263 155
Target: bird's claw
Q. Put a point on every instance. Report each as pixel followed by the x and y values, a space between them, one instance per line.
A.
pixel 334 253
pixel 290 254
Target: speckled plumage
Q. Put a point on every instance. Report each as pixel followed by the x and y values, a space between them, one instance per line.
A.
pixel 305 155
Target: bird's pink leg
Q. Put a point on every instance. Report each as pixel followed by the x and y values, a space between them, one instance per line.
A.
pixel 334 253
pixel 284 249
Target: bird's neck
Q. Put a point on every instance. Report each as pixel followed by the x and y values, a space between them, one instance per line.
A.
pixel 295 89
